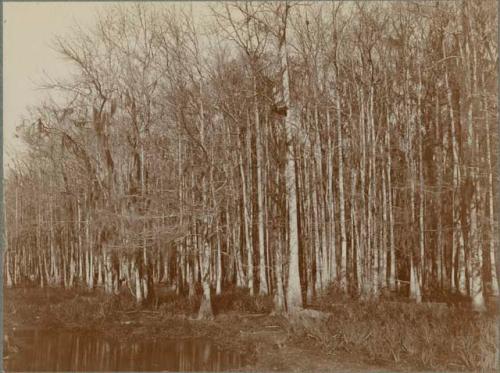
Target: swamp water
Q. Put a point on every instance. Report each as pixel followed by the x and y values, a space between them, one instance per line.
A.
pixel 52 351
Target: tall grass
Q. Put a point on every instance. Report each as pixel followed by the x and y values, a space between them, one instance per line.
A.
pixel 425 336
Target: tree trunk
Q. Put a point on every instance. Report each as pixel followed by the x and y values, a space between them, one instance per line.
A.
pixel 263 286
pixel 246 224
pixel 343 234
pixel 491 214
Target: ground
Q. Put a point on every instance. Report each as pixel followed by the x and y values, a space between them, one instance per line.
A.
pixel 344 337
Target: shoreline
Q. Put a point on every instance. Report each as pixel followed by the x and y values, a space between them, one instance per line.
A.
pixel 307 341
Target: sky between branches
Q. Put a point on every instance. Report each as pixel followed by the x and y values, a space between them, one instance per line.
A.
pixel 28 30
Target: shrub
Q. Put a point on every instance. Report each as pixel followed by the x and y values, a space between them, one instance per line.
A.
pixel 427 336
pixel 169 303
pixel 239 300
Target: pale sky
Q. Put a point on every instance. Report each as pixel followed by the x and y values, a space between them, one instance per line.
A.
pixel 28 29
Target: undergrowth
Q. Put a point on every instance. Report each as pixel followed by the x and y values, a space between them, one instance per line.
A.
pixel 239 300
pixel 391 333
pixel 427 336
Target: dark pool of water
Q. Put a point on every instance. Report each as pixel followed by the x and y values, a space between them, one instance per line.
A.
pixel 52 351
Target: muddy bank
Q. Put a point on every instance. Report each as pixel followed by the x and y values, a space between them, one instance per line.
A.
pixel 266 341
pixel 342 337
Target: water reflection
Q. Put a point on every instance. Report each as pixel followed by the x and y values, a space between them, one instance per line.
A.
pixel 51 351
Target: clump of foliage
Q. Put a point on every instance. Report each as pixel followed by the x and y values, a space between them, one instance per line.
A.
pixel 170 304
pixel 424 336
pixel 239 300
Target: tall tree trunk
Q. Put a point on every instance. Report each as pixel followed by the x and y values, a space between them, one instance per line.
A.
pixel 457 264
pixel 205 311
pixel 421 258
pixel 475 243
pixel 292 118
pixel 491 214
pixel 343 234
pixel 392 260
pixel 263 286
pixel 246 224
pixel 363 253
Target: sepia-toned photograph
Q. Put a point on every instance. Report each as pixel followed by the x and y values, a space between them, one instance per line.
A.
pixel 292 186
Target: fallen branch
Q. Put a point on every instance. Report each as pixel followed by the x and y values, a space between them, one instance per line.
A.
pixel 254 315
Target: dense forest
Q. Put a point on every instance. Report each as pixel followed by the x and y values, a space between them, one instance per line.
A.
pixel 285 148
